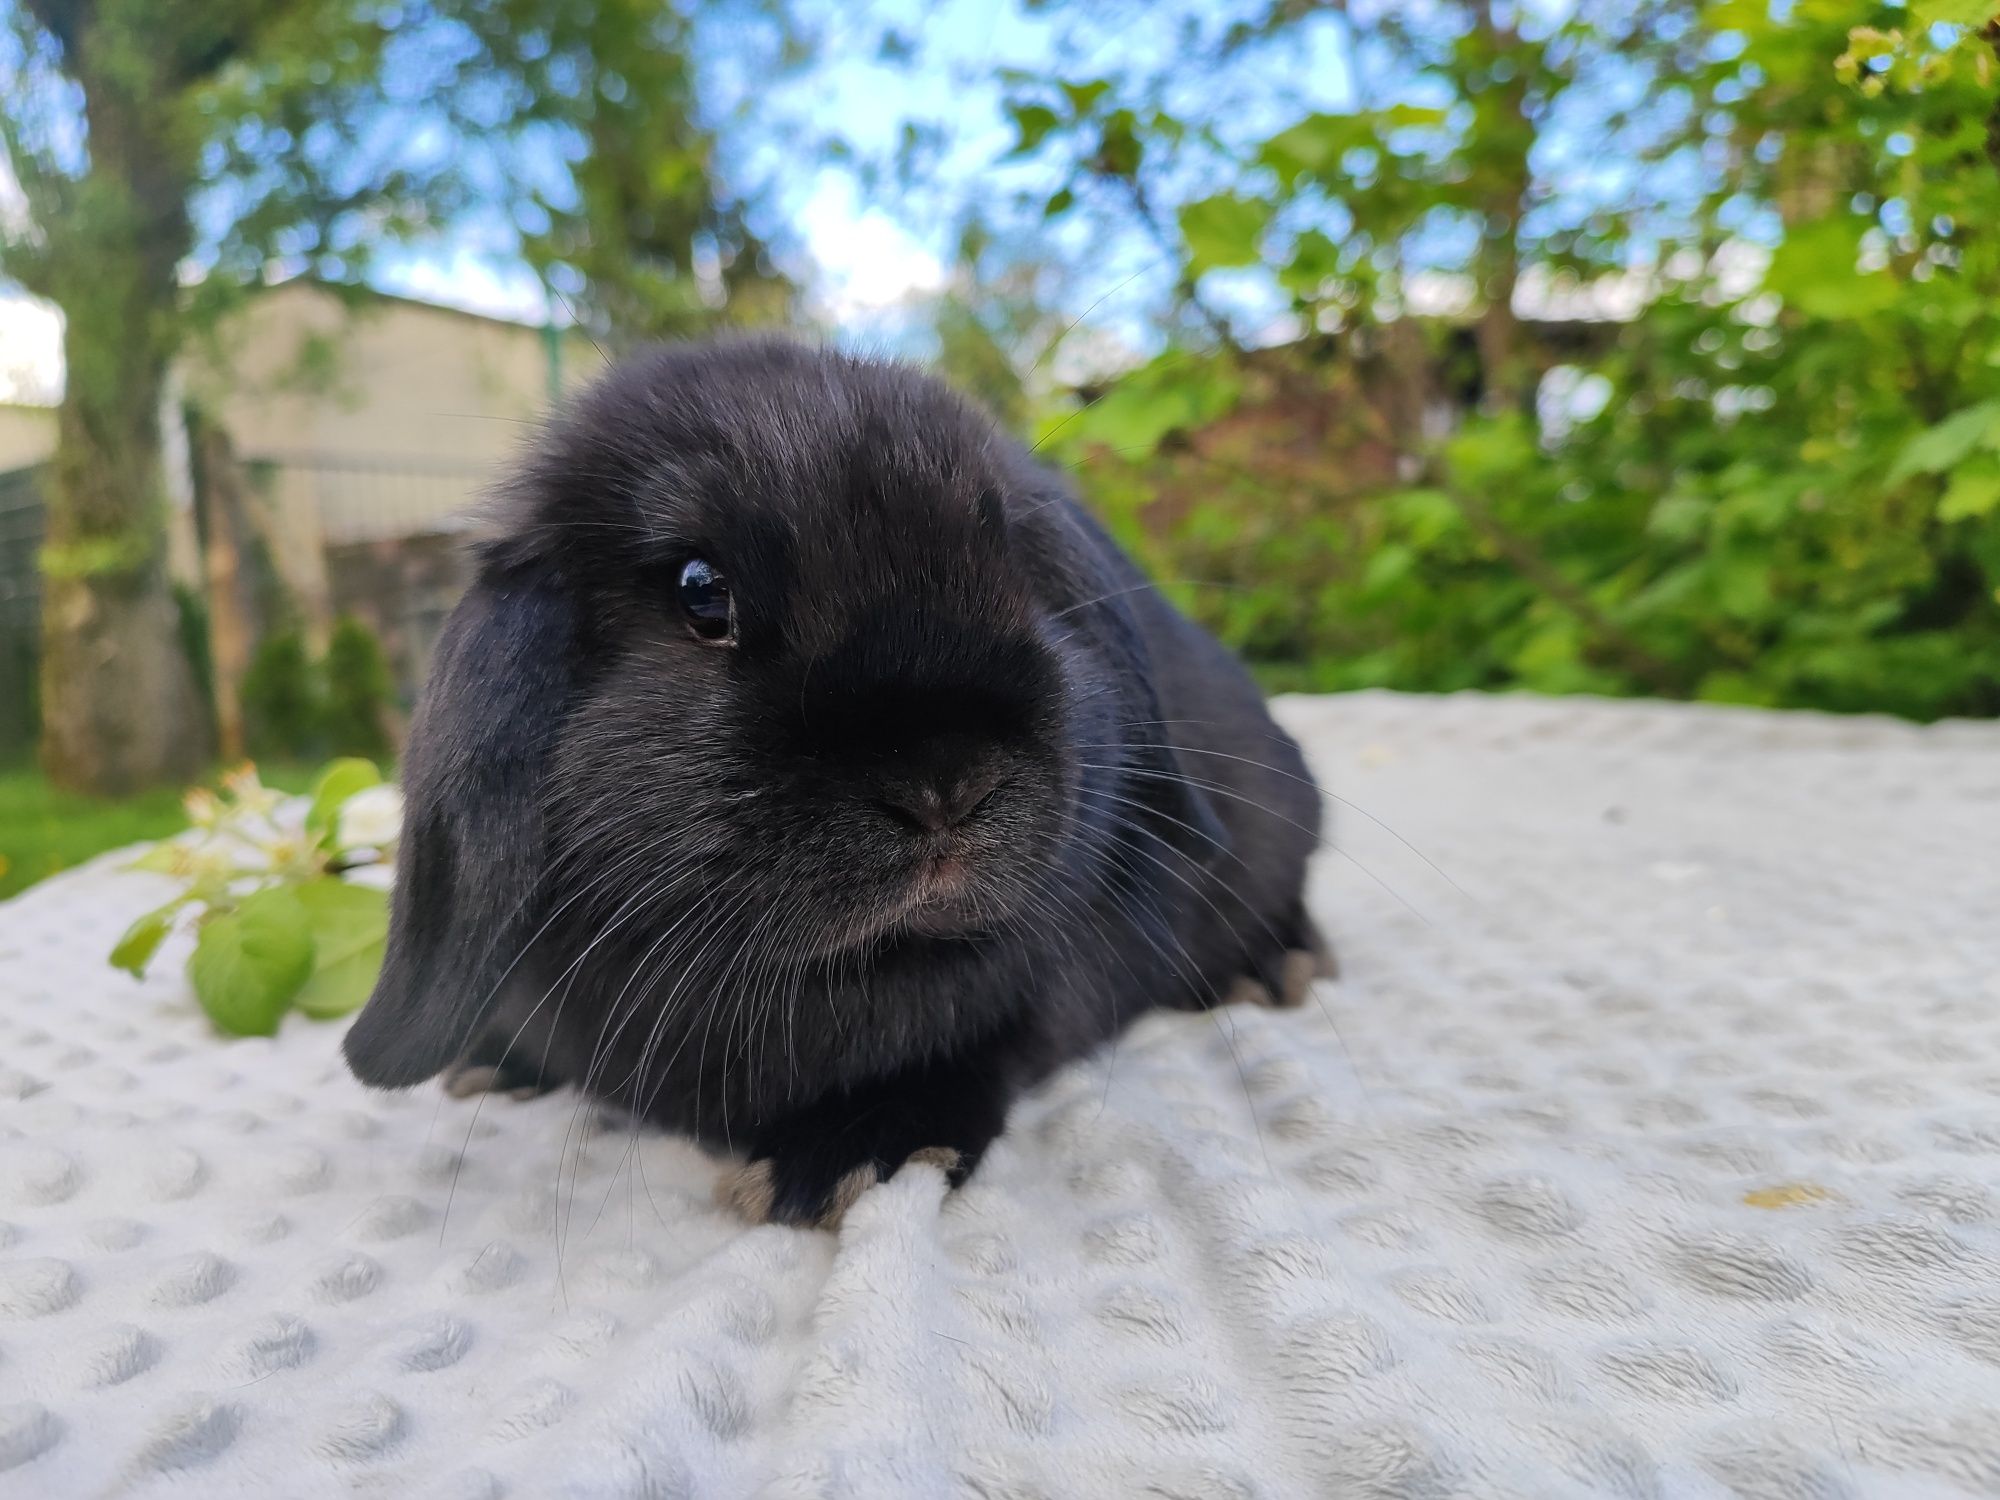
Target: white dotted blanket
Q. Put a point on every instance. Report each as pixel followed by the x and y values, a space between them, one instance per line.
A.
pixel 1649 1144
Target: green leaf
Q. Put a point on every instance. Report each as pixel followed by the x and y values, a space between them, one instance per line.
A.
pixel 339 781
pixel 1742 584
pixel 1136 414
pixel 1032 124
pixel 1082 96
pixel 350 931
pixel 1388 566
pixel 1312 145
pixel 1953 12
pixel 1427 514
pixel 1973 491
pixel 1550 653
pixel 1059 203
pixel 1119 150
pixel 1949 442
pixel 1407 116
pixel 1131 420
pixel 1815 270
pixel 1734 687
pixel 1315 261
pixel 1751 16
pixel 1491 452
pixel 1223 230
pixel 249 963
pixel 143 938
pixel 1678 518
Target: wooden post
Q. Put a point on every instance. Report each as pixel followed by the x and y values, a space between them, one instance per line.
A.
pixel 219 494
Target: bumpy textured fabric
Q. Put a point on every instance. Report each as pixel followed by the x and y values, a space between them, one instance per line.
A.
pixel 1649 1144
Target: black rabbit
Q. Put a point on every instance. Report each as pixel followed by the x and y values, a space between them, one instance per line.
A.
pixel 807 772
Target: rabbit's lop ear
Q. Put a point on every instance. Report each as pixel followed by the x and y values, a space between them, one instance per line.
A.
pixel 1114 595
pixel 472 845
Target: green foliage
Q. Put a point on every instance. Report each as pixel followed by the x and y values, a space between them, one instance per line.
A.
pixel 250 960
pixel 1777 483
pixel 645 239
pixel 334 785
pixel 358 691
pixel 1223 231
pixel 276 926
pixel 295 708
pixel 282 711
pixel 349 926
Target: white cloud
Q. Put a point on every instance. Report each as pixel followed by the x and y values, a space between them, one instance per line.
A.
pixel 864 263
pixel 467 280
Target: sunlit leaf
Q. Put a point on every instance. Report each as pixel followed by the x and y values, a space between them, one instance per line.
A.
pixel 1743 584
pixel 1734 687
pixel 1315 261
pixel 1119 151
pixel 1949 442
pixel 1953 12
pixel 143 938
pixel 1083 96
pixel 1032 124
pixel 1973 491
pixel 350 930
pixel 1314 143
pixel 1224 230
pixel 1816 270
pixel 249 964
pixel 336 784
pixel 1678 518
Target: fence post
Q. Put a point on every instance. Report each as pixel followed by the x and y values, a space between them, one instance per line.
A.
pixel 220 496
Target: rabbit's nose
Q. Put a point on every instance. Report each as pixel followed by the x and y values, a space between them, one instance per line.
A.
pixel 933 806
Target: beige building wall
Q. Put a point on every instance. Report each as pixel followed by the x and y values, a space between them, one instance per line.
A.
pixel 379 417
pixel 27 435
pixel 360 421
pixel 304 376
pixel 398 408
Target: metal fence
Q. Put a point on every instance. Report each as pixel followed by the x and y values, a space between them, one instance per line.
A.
pixel 21 527
pixel 383 529
pixel 364 499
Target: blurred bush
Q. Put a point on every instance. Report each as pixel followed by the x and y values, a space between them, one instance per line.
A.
pixel 281 715
pixel 1729 431
pixel 358 692
pixel 298 709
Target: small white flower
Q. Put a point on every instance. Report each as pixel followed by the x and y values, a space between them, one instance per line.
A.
pixel 247 793
pixel 371 818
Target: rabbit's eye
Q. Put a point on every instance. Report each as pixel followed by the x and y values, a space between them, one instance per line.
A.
pixel 705 599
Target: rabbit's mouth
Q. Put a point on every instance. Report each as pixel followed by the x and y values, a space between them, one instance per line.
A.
pixel 943 898
pixel 944 895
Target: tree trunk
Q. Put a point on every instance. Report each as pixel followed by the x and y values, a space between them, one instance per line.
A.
pixel 1506 383
pixel 119 704
pixel 219 494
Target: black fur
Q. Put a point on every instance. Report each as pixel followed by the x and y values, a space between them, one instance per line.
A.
pixel 685 877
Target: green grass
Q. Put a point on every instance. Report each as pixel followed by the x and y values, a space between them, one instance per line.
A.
pixel 43 830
